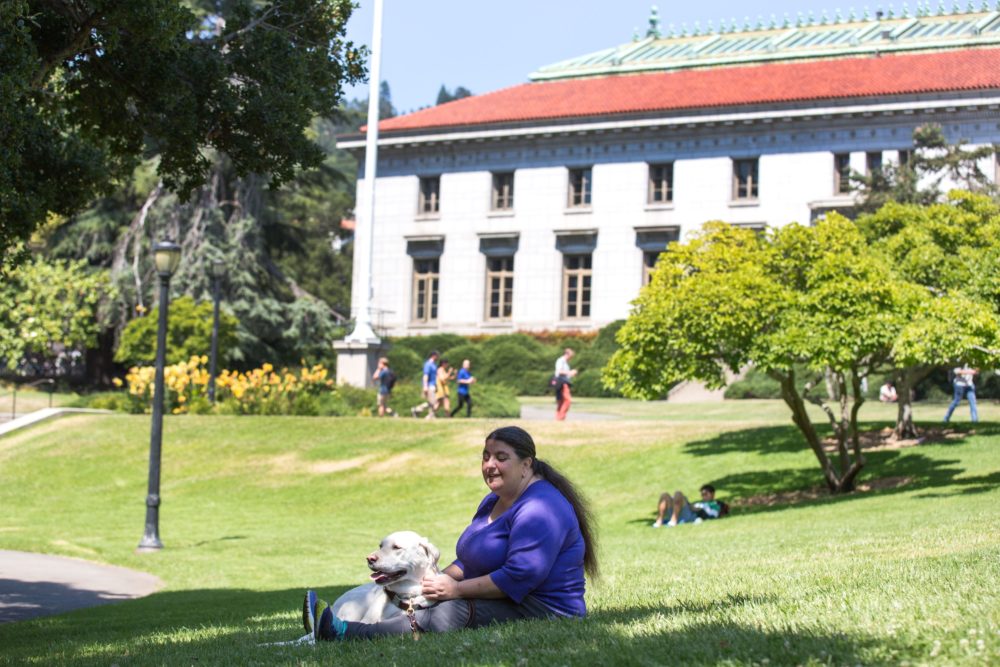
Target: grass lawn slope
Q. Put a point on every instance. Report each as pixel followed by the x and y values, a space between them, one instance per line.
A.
pixel 256 509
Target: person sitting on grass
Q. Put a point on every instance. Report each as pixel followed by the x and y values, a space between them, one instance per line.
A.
pixel 681 511
pixel 525 554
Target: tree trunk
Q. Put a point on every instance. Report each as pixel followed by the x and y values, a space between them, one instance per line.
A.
pixel 801 418
pixel 906 380
pixel 844 429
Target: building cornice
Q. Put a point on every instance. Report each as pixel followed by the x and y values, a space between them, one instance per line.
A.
pixel 599 126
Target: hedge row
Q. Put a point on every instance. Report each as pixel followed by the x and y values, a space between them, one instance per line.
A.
pixel 522 361
pixel 496 401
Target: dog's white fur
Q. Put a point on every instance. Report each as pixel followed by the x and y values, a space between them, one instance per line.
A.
pixel 398 565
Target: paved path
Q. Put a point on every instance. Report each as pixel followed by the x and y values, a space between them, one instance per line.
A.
pixel 34 585
pixel 548 413
pixel 42 415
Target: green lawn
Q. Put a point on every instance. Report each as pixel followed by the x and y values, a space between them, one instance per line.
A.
pixel 257 509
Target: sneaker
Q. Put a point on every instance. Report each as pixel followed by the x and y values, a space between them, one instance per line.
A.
pixel 657 523
pixel 309 612
pixel 320 609
pixel 698 520
pixel 671 523
pixel 329 627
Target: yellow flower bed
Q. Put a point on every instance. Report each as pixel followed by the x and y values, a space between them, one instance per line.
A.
pixel 259 391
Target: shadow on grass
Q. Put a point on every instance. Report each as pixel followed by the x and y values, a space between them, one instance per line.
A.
pixel 788 439
pixel 909 465
pixel 229 626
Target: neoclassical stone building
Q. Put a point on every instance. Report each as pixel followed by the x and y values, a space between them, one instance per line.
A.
pixel 544 205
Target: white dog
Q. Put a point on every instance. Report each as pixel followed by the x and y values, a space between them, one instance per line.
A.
pixel 398 566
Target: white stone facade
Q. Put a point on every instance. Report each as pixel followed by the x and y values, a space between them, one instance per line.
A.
pixel 794 146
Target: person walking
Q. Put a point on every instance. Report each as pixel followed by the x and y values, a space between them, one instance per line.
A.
pixel 464 381
pixel 429 387
pixel 563 376
pixel 445 375
pixel 386 380
pixel 964 382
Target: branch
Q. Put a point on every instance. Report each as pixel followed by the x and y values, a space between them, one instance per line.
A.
pixel 298 292
pixel 74 45
pixel 260 20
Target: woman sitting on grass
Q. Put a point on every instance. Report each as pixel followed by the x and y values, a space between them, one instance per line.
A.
pixel 523 556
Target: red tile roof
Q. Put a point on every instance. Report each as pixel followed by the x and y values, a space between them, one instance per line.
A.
pixel 968 69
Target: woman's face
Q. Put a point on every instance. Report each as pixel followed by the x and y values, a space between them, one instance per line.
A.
pixel 503 471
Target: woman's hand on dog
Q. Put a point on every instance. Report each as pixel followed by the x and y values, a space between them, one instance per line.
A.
pixel 439 587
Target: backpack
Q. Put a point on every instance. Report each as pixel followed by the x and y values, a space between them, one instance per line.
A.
pixel 389 380
pixel 555 382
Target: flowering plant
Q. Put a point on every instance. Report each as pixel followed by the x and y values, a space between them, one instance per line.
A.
pixel 259 391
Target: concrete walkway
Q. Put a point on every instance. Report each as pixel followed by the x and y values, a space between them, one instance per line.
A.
pixel 548 413
pixel 33 585
pixel 43 414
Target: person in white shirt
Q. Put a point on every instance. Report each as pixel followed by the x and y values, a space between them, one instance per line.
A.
pixel 964 382
pixel 564 375
pixel 887 394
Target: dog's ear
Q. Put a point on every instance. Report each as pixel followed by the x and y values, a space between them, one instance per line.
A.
pixel 432 551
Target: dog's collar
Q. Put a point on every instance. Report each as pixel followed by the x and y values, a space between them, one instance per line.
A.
pixel 413 602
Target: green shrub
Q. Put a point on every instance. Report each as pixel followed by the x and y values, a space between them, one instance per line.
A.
pixel 755 384
pixel 106 400
pixel 493 401
pixel 521 362
pixel 405 363
pixel 189 334
pixel 514 365
pixel 471 351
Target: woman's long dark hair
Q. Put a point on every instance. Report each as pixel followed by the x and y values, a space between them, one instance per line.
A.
pixel 523 445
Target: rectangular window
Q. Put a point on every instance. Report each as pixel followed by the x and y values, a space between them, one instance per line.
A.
pixel 904 157
pixel 576 286
pixel 745 179
pixel 499 287
pixel 649 259
pixel 426 276
pixel 873 162
pixel 503 192
pixel 661 183
pixel 579 187
pixel 842 173
pixel 430 195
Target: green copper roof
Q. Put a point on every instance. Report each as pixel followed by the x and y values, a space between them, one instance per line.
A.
pixel 887 31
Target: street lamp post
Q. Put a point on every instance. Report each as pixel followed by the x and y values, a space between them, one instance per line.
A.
pixel 218 270
pixel 167 255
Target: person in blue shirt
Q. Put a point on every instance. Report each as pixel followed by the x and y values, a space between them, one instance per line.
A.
pixel 526 553
pixel 464 380
pixel 429 388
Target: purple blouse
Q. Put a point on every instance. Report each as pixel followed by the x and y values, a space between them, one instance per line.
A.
pixel 534 548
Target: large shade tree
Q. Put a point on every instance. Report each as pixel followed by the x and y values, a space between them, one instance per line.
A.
pixel 803 304
pixel 89 87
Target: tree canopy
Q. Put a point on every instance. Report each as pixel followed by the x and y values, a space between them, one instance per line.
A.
pixel 89 87
pixel 48 308
pixel 803 304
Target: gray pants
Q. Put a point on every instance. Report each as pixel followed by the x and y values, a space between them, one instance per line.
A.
pixel 453 615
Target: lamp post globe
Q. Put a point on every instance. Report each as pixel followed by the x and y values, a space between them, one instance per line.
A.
pixel 218 270
pixel 166 256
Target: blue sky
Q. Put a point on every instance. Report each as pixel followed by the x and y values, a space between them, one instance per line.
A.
pixel 486 45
